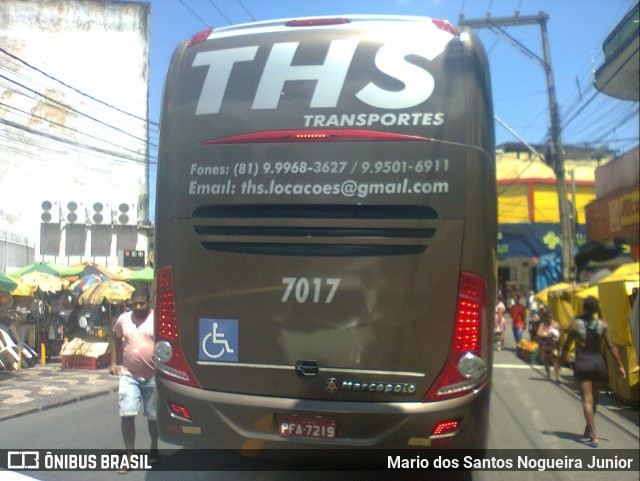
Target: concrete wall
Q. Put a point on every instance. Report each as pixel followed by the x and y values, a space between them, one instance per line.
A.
pixel 73 115
pixel 619 174
pixel 15 251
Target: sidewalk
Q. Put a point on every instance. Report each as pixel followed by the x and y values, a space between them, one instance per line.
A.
pixel 46 386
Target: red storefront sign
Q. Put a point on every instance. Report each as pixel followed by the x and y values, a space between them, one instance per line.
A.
pixel 615 216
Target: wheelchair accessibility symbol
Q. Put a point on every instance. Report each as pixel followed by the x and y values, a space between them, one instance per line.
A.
pixel 218 340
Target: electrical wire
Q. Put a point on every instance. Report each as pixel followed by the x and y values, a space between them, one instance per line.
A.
pixel 68 141
pixel 61 104
pixel 251 17
pixel 580 112
pixel 31 115
pixel 207 24
pixel 15 57
pixel 228 20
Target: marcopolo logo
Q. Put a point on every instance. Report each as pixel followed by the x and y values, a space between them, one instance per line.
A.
pixel 332 385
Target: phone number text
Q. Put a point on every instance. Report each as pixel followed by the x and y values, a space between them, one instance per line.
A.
pixel 254 169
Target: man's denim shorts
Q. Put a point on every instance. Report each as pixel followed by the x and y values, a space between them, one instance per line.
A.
pixel 131 391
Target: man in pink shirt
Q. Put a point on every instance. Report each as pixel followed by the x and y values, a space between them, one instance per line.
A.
pixel 133 339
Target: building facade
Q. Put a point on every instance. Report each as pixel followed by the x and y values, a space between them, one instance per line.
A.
pixel 615 213
pixel 529 240
pixel 74 79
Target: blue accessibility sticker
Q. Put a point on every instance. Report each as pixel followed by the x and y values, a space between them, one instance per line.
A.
pixel 218 340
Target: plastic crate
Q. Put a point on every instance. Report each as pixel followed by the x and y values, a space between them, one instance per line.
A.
pixel 84 362
pixel 522 354
pixel 534 358
pixel 530 357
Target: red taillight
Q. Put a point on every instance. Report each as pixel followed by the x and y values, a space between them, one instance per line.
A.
pixel 444 25
pixel 199 37
pixel 317 22
pixel 467 340
pixel 166 322
pixel 289 136
pixel 179 410
pixel 446 427
pixel 177 368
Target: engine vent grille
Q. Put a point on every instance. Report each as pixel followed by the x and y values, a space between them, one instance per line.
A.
pixel 316 230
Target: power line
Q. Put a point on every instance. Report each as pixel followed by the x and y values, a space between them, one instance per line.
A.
pixel 32 115
pixel 72 109
pixel 207 24
pixel 584 106
pixel 18 74
pixel 602 115
pixel 251 17
pixel 15 57
pixel 68 141
pixel 46 152
pixel 621 123
pixel 221 12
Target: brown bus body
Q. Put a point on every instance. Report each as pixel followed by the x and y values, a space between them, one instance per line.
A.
pixel 326 236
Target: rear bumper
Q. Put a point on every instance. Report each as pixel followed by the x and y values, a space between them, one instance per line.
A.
pixel 239 421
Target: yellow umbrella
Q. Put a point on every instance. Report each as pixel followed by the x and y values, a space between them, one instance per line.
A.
pixel 112 291
pixel 44 282
pixel 120 273
pixel 22 289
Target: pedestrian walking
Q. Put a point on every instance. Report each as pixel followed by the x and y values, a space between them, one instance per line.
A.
pixel 133 340
pixel 548 336
pixel 533 307
pixel 499 324
pixel 588 331
pixel 532 303
pixel 518 315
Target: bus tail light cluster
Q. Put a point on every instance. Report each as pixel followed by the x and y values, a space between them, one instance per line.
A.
pixel 444 25
pixel 446 427
pixel 180 410
pixel 465 368
pixel 199 37
pixel 324 135
pixel 170 360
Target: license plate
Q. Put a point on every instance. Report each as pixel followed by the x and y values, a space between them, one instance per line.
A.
pixel 313 428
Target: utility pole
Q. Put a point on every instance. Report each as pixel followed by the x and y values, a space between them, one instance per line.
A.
pixel 555 152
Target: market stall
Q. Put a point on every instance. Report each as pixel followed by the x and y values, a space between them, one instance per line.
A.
pixel 616 293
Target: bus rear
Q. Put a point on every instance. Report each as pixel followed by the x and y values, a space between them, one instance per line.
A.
pixel 326 235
